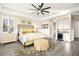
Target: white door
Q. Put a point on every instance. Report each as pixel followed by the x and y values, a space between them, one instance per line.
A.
pixel 66 37
pixel 76 28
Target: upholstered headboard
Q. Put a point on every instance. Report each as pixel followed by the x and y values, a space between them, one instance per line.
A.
pixel 23 26
pixel 26 28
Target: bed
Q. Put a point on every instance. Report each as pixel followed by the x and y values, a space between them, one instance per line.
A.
pixel 27 34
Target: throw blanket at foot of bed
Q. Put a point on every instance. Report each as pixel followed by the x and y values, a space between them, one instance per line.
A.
pixel 41 44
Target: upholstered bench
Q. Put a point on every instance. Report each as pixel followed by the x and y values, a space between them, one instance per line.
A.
pixel 41 44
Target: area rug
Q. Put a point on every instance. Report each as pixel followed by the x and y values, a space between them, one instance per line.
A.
pixel 30 51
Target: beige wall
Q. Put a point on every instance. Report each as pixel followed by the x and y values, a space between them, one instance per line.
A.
pixel 45 31
pixel 9 37
pixel 17 20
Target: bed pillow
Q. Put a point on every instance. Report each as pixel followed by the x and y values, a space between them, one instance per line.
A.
pixel 25 31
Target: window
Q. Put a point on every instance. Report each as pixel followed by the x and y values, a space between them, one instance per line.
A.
pixel 7 25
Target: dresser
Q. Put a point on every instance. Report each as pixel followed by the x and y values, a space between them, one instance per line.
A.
pixel 6 37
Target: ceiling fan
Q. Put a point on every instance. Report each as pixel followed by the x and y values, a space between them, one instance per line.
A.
pixel 40 9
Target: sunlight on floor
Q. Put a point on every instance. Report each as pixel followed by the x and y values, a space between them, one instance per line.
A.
pixel 67 48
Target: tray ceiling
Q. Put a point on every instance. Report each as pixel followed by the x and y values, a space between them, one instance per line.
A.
pixel 23 8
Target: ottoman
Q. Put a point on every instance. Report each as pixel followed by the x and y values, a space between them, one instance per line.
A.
pixel 41 44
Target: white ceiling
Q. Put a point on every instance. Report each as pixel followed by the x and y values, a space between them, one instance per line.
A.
pixel 23 8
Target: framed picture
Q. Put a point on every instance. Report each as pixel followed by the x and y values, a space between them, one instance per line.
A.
pixel 44 26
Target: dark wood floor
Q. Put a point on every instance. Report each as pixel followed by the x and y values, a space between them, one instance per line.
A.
pixel 61 49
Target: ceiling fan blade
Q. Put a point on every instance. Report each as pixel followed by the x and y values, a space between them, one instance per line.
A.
pixel 38 13
pixel 46 11
pixel 42 12
pixel 46 8
pixel 41 5
pixel 34 6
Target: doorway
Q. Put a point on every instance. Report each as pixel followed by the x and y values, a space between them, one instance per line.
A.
pixel 76 28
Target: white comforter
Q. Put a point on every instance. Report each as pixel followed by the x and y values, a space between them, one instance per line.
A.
pixel 30 36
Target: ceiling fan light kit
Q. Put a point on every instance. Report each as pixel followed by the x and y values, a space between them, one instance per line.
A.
pixel 40 9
